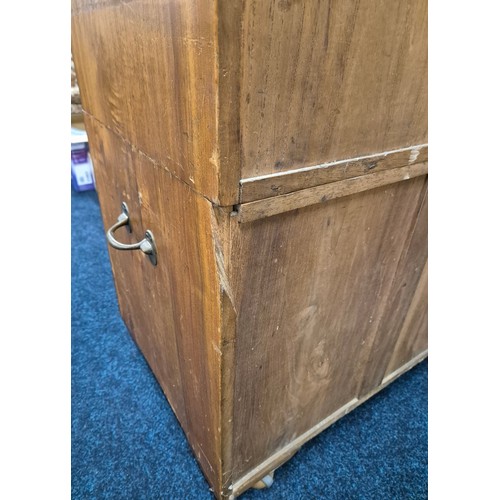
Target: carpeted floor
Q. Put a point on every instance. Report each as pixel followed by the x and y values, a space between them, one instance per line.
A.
pixel 127 444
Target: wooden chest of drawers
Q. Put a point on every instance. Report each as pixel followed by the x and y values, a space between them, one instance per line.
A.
pixel 272 159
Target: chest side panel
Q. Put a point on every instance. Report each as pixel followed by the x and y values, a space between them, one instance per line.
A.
pixel 173 310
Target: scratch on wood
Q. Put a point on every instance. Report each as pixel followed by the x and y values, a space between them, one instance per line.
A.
pixel 216 349
pixel 219 259
pixel 414 155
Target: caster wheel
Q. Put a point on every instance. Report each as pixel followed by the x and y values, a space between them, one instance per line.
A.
pixel 265 482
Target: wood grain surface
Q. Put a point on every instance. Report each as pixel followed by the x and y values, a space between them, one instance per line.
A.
pixel 329 80
pixel 326 192
pixel 413 335
pixel 278 151
pixel 147 70
pixel 278 458
pixel 229 23
pixel 267 186
pixel 404 292
pixel 312 291
pixel 173 310
pixel 219 95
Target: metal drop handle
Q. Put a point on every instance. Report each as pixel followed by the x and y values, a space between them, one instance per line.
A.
pixel 147 245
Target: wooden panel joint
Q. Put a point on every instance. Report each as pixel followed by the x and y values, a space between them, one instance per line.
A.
pixel 320 194
pixel 277 184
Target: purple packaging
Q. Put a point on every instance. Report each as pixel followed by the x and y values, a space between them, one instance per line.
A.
pixel 82 172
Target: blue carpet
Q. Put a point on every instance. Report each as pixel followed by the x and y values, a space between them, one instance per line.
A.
pixel 127 444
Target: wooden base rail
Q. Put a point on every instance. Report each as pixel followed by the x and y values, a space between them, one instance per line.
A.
pixel 283 455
